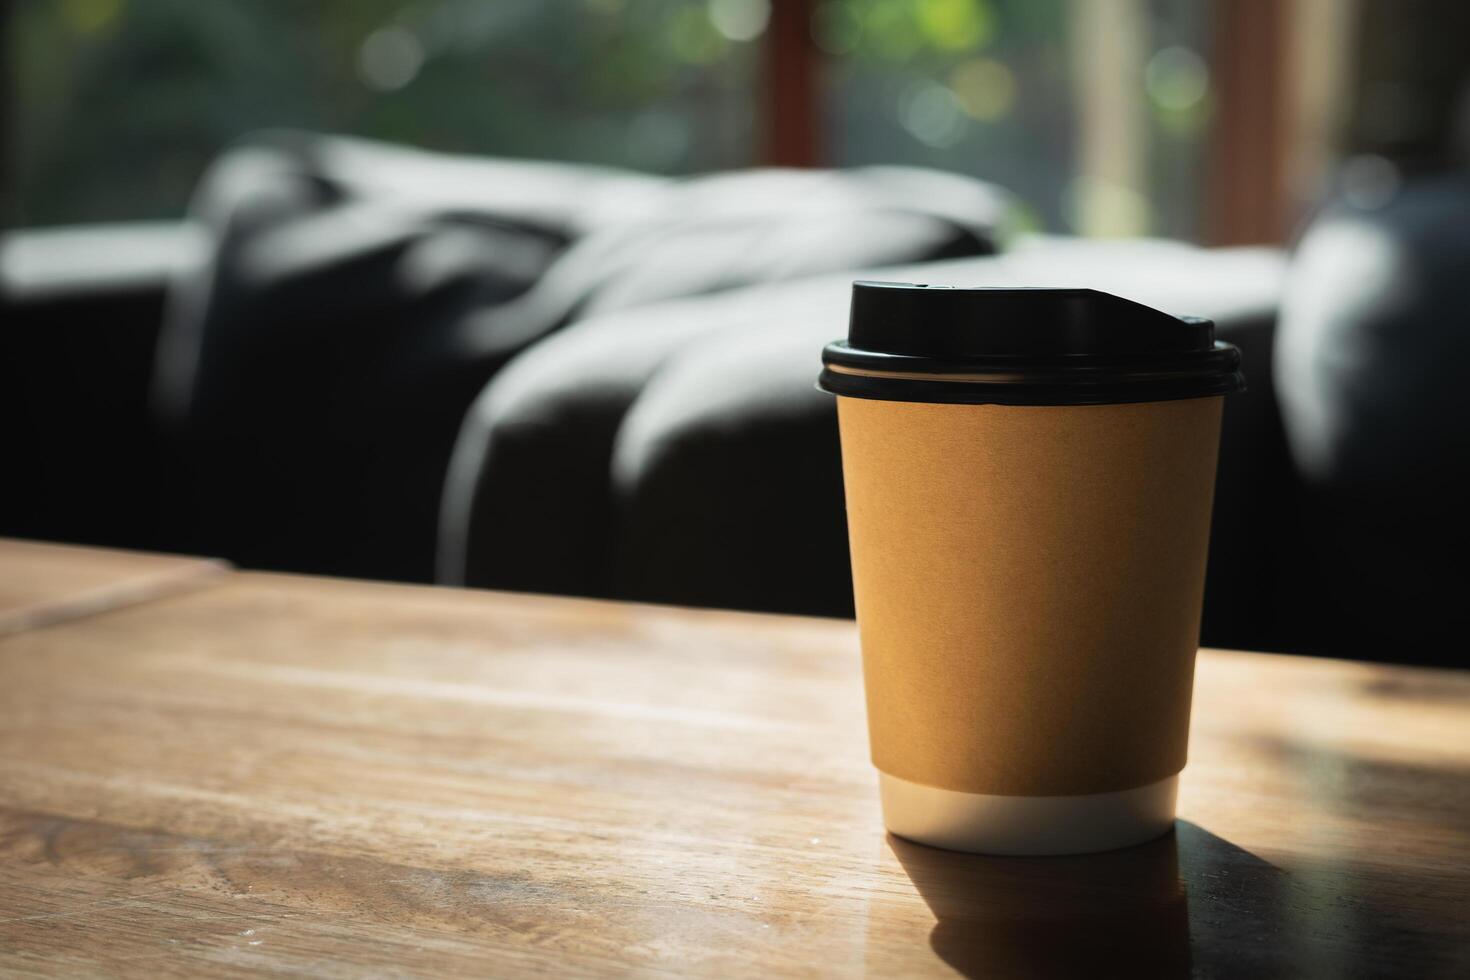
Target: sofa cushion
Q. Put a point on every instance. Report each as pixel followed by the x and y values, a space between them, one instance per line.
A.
pixel 716 457
pixel 358 296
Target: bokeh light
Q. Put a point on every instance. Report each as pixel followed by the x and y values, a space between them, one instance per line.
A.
pixel 890 31
pixel 932 113
pixel 658 140
pixel 740 20
pixel 955 25
pixel 693 38
pixel 985 87
pixel 1102 208
pixel 1176 78
pixel 389 58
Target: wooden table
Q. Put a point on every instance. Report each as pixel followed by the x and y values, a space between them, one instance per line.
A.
pixel 277 774
pixel 42 583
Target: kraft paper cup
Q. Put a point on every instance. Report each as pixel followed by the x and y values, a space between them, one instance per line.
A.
pixel 1028 575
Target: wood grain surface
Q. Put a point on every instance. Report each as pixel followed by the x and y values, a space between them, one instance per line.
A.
pixel 43 583
pixel 310 777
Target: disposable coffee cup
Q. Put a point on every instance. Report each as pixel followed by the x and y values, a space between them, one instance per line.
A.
pixel 1029 475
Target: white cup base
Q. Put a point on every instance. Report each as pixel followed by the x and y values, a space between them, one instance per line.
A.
pixel 1027 824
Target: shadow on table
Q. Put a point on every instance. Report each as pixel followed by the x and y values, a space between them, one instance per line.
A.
pixel 1190 902
pixel 1351 784
pixel 1121 913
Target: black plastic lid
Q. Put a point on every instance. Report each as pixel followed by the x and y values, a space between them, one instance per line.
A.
pixel 919 343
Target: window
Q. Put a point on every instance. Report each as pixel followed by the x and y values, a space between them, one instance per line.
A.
pixel 120 104
pixel 1094 112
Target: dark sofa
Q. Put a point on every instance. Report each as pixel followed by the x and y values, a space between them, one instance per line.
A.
pixel 314 372
pixel 637 356
pixel 680 452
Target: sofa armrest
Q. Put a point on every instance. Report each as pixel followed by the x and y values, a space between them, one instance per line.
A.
pixel 80 310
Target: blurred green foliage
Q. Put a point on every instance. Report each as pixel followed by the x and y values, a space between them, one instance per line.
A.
pixel 990 88
pixel 120 104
